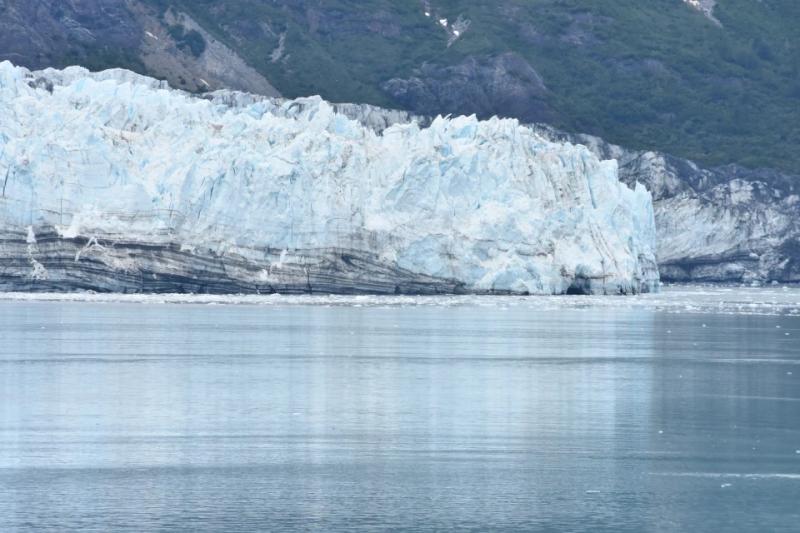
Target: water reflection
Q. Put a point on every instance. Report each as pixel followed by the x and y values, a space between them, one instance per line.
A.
pixel 244 417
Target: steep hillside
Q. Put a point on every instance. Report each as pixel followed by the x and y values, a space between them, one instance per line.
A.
pixel 719 86
pixel 714 81
pixel 130 34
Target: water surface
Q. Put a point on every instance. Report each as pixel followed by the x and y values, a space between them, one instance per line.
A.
pixel 672 412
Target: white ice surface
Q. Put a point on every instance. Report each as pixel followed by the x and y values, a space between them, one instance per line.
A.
pixel 489 203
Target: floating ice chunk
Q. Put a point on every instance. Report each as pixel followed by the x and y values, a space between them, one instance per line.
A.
pixel 671 300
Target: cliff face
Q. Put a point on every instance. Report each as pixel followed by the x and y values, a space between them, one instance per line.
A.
pixel 726 224
pixel 113 182
pixel 723 224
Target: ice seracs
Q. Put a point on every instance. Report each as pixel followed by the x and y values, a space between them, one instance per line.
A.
pixel 128 185
pixel 725 224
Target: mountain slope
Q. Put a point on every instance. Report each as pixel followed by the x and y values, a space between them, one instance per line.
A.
pixel 129 34
pixel 651 75
pixel 717 82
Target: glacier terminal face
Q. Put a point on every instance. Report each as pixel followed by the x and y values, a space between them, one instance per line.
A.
pixel 726 224
pixel 114 182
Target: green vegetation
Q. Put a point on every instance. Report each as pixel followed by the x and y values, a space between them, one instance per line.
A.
pixel 102 58
pixel 649 74
pixel 191 40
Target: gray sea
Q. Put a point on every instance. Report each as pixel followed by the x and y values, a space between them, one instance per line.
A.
pixel 671 412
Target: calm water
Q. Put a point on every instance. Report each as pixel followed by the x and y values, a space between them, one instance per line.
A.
pixel 677 413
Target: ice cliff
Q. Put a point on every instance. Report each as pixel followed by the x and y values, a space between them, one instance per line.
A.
pixel 112 181
pixel 725 224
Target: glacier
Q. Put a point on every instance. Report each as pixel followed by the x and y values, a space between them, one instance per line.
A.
pixel 725 224
pixel 114 182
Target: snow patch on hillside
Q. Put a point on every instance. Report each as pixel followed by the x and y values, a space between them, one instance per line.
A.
pixel 706 7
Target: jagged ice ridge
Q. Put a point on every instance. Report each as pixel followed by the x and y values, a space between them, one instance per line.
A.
pixel 112 181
